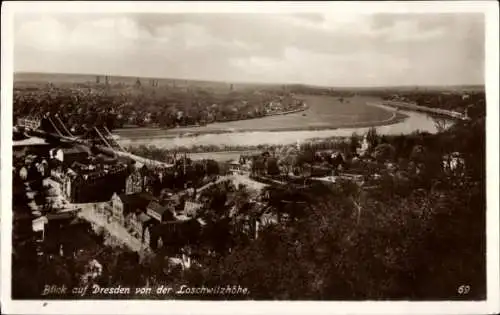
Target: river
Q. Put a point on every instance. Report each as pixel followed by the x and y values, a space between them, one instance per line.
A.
pixel 324 118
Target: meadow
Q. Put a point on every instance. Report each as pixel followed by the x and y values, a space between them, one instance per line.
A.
pixel 323 112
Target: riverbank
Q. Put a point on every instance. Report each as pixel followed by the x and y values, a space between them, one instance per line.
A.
pixel 326 117
pixel 431 110
pixel 156 127
pixel 155 133
pixel 321 113
pixel 298 110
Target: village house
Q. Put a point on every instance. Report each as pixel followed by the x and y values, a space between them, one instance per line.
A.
pixel 134 183
pixel 31 145
pixel 23 173
pixel 176 234
pixel 38 225
pixel 160 213
pixel 235 167
pixel 68 156
pixel 365 145
pixel 174 201
pixel 66 179
pixel 32 123
pixel 138 225
pixel 116 209
pixel 191 208
pixel 121 207
pixel 92 186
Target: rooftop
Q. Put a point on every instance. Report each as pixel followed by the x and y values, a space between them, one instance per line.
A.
pixel 157 207
pixel 29 141
pixel 143 217
pixel 137 200
pixel 76 149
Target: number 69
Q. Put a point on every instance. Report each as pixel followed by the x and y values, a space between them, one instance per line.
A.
pixel 463 289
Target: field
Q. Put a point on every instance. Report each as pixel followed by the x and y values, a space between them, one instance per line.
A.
pixel 324 112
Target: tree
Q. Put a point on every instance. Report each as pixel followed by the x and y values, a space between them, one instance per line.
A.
pixel 418 154
pixel 212 167
pixel 272 166
pixel 354 142
pixel 372 138
pixel 258 165
pixel 306 157
pixel 384 152
pixel 288 157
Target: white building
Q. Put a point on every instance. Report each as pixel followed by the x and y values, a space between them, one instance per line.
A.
pixel 364 146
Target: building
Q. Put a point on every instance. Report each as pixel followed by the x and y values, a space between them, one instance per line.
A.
pixel 125 204
pixel 175 202
pixel 160 213
pixel 31 145
pixel 116 207
pixel 23 173
pixel 240 167
pixel 129 211
pixel 365 145
pixel 138 224
pixel 42 168
pixel 32 123
pixel 95 186
pixel 176 234
pixel 135 182
pixel 235 167
pixel 137 202
pixel 191 208
pixel 68 156
pixel 38 226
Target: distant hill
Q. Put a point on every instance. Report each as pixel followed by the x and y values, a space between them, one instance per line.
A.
pixel 35 77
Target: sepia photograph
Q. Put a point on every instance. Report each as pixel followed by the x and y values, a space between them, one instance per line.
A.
pixel 249 152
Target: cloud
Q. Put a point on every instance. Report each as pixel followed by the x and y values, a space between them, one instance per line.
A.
pixel 42 34
pixel 327 49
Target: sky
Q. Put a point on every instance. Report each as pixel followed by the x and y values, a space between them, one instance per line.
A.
pixel 331 49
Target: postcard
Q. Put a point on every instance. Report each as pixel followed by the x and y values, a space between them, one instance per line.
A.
pixel 247 157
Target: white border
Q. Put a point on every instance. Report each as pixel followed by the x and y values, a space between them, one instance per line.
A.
pixel 490 8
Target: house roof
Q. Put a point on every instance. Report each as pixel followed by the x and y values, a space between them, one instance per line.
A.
pixel 61 216
pixel 77 149
pixel 143 217
pixel 157 207
pixel 137 200
pixel 182 217
pixel 192 205
pixel 29 141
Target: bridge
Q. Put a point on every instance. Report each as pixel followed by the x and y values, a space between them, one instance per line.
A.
pixel 109 143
